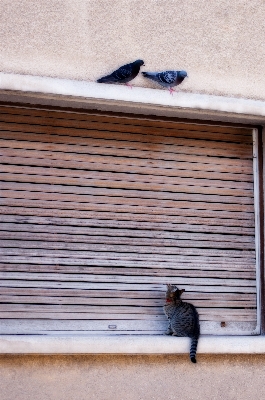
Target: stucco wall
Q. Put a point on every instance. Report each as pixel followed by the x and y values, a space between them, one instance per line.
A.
pixel 132 378
pixel 220 44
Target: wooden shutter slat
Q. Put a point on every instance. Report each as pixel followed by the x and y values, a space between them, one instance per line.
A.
pixel 53 176
pixel 125 240
pixel 131 120
pixel 112 204
pixel 154 296
pixel 117 312
pixel 186 171
pixel 139 249
pixel 190 147
pixel 101 327
pixel 68 315
pixel 23 299
pixel 158 156
pixel 237 136
pixel 100 311
pixel 125 286
pixel 56 264
pixel 213 239
pixel 121 213
pixel 202 272
pixel 124 204
pixel 228 201
pixel 120 279
pixel 123 136
pixel 66 217
pixel 79 161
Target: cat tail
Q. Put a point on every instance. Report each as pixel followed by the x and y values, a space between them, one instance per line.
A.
pixel 193 348
pixel 195 336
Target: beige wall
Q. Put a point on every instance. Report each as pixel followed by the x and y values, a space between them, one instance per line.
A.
pixel 220 43
pixel 132 378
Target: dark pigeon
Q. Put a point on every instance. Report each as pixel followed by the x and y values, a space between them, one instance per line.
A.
pixel 124 74
pixel 168 79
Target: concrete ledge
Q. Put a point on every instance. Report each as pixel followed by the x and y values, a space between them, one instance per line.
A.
pixel 125 344
pixel 63 92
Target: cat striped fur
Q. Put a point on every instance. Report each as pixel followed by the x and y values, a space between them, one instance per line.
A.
pixel 183 318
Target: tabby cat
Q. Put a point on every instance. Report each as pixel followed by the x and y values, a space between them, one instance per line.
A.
pixel 183 318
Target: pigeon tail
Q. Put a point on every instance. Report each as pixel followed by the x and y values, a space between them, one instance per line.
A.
pixel 124 74
pixel 107 79
pixel 150 75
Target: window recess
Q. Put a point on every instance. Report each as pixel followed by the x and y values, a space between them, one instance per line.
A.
pixel 99 212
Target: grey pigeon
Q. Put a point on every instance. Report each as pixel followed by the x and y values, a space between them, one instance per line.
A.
pixel 123 74
pixel 167 79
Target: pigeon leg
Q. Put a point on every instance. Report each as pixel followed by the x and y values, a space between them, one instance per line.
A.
pixel 130 86
pixel 171 91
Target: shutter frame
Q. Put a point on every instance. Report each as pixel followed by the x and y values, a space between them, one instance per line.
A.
pixel 256 236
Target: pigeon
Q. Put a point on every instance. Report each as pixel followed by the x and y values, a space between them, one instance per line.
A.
pixel 167 79
pixel 123 74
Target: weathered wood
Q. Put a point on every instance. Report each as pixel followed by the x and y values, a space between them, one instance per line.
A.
pixel 21 224
pixel 100 212
pixel 145 270
pixel 237 135
pixel 53 264
pixel 68 210
pixel 127 239
pixel 109 317
pixel 94 178
pixel 155 312
pixel 128 279
pixel 126 312
pixel 155 306
pixel 52 176
pixel 149 158
pixel 17 180
pixel 72 327
pixel 226 201
pixel 186 284
pixel 120 248
pixel 224 210
pixel 114 204
pixel 74 161
pixel 69 218
pixel 78 160
pixel 125 267
pixel 146 141
pixel 41 249
pixel 131 120
pixel 156 297
pixel 122 148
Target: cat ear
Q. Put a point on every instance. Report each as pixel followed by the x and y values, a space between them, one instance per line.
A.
pixel 181 291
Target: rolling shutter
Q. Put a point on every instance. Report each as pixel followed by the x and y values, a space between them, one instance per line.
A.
pixel 99 212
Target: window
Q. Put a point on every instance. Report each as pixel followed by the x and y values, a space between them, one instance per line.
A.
pixel 100 211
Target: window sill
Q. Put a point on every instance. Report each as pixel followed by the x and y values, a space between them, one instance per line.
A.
pixel 125 344
pixel 91 95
